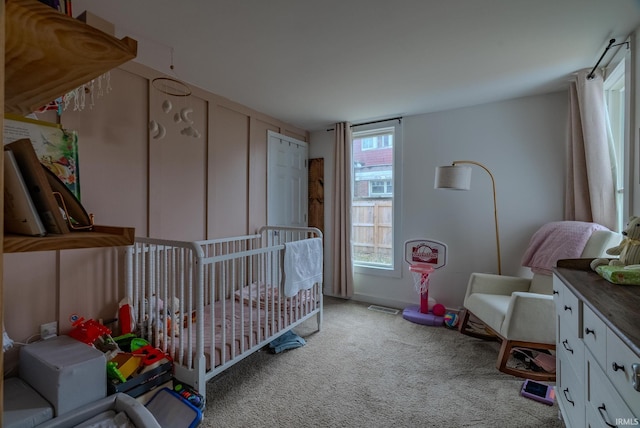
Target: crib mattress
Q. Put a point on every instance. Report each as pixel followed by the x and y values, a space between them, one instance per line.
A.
pixel 240 324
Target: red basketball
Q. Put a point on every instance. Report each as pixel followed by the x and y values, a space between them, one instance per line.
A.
pixel 439 310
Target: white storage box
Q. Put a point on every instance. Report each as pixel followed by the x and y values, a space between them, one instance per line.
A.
pixel 66 372
pixel 23 407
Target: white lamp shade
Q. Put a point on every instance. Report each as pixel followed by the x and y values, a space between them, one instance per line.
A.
pixel 453 177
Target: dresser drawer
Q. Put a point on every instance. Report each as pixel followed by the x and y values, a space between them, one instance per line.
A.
pixel 619 369
pixel 570 314
pixel 594 335
pixel 558 290
pixel 570 348
pixel 605 407
pixel 595 418
pixel 570 395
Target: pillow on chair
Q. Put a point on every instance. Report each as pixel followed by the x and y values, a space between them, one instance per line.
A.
pixel 559 240
pixel 600 239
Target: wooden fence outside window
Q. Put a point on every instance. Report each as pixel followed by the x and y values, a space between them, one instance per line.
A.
pixel 372 231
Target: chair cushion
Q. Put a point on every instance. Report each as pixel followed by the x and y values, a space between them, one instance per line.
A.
pixel 531 317
pixel 489 308
pixel 541 283
pixel 599 242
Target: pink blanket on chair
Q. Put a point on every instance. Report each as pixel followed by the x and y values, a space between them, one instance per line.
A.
pixel 555 241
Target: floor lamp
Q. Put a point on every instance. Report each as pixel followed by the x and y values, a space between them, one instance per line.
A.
pixel 456 177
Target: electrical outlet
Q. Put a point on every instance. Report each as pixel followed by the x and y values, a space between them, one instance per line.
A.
pixel 48 330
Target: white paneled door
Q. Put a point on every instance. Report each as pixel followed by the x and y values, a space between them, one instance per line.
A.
pixel 287 182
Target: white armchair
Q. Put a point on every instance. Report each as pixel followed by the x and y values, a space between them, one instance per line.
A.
pixel 520 312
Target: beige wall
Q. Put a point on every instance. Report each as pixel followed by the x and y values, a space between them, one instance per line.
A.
pixel 177 187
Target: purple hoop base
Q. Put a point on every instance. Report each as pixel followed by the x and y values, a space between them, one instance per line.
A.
pixel 413 314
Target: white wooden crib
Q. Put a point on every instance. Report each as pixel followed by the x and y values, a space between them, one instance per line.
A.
pixel 177 288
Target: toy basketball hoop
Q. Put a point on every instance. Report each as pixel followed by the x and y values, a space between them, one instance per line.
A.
pixel 421 272
pixel 424 256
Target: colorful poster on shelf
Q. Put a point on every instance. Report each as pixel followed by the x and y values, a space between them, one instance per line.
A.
pixel 56 148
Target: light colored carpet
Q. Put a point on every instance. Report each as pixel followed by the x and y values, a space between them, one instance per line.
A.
pixel 371 369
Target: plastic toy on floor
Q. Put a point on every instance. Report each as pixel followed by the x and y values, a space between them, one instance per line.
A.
pixel 424 257
pixel 189 394
pixel 172 410
pixel 87 331
pixel 451 320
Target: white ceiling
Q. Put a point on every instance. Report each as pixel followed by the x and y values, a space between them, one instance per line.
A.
pixel 312 63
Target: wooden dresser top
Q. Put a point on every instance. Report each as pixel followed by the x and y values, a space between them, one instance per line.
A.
pixel 617 305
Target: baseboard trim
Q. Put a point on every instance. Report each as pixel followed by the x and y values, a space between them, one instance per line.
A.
pixel 391 303
pixel 374 300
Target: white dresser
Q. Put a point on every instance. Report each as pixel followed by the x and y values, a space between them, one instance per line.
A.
pixel 598 352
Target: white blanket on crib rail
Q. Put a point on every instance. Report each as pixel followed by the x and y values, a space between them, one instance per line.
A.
pixel 302 265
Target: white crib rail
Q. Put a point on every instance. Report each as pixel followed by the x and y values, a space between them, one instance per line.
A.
pixel 159 270
pixel 275 235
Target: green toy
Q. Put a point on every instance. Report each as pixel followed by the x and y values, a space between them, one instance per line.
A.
pixel 114 373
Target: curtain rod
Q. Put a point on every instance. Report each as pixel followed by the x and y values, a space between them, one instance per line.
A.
pixel 611 45
pixel 399 119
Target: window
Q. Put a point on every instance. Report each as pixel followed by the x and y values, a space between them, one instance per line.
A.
pixel 381 188
pixel 374 223
pixel 368 143
pixel 377 142
pixel 615 99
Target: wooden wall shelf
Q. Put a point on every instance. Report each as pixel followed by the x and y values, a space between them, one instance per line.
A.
pixel 101 236
pixel 48 54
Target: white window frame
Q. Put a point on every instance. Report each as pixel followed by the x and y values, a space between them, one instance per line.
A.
pixel 616 86
pixel 395 270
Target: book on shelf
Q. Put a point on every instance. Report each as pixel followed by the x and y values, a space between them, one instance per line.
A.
pixel 38 185
pixel 62 6
pixel 20 214
pixel 73 211
pixel 56 147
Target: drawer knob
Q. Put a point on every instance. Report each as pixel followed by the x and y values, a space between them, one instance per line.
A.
pixel 635 378
pixel 617 367
pixel 603 414
pixel 568 308
pixel 590 331
pixel 555 292
pixel 565 343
